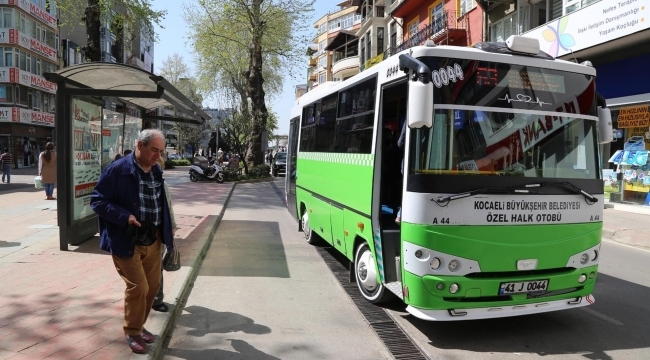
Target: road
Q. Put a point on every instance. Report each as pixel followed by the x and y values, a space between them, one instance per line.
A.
pixel 615 327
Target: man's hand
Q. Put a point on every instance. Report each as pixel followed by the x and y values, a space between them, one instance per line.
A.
pixel 133 221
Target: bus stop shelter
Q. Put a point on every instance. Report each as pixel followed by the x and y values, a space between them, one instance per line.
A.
pixel 100 109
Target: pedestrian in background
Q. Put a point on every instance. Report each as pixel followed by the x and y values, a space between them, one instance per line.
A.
pixel 6 161
pixel 130 195
pixel 158 303
pixel 47 170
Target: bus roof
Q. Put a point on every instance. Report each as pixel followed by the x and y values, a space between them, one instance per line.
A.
pixel 441 51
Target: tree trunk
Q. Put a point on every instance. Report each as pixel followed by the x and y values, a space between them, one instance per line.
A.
pixel 92 50
pixel 255 80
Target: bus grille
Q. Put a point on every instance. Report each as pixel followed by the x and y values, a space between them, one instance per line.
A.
pixel 518 274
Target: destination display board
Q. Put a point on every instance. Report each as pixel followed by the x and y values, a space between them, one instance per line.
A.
pixel 501 85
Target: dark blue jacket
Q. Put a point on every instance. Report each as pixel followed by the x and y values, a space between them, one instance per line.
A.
pixel 116 196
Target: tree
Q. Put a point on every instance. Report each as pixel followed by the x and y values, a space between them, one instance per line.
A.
pixel 130 16
pixel 175 70
pixel 244 43
pixel 236 132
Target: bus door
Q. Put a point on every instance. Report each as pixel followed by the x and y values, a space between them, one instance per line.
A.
pixel 388 178
pixel 292 159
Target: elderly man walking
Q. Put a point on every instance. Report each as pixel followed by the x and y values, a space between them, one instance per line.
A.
pixel 134 222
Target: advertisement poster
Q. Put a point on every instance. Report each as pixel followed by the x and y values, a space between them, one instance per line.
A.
pixel 112 136
pixel 596 24
pixel 86 165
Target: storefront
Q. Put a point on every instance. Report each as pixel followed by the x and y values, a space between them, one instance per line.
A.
pixel 25 141
pixel 101 108
pixel 614 37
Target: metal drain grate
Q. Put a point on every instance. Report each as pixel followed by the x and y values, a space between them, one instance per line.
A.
pixel 396 341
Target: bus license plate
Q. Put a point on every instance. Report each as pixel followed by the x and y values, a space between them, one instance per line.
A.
pixel 523 287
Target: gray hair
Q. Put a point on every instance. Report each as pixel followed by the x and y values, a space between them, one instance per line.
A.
pixel 148 134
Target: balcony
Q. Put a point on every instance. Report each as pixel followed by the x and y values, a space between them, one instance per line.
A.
pixel 313 61
pixel 447 29
pixel 348 63
pixel 312 74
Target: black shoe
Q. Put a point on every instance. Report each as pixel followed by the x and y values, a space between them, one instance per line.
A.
pixel 161 307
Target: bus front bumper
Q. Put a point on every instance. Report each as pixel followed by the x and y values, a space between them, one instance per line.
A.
pixel 499 311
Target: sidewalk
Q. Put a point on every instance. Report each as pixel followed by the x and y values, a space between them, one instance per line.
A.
pixel 69 305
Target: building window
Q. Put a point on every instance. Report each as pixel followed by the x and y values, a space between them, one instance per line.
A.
pixel 466 6
pixel 7 18
pixel 322 45
pixel 335 23
pixel 23 98
pixel 323 28
pixel 380 41
pixel 23 61
pixel 6 93
pixel 368 45
pixel 502 29
pixel 393 36
pixel 322 62
pixel 573 5
pixel 38 67
pixel 413 26
pixel 8 57
pixel 322 78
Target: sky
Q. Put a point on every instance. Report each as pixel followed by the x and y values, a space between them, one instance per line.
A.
pixel 175 38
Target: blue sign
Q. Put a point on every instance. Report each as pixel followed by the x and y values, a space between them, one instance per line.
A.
pixel 627 157
pixel 459 119
pixel 3 93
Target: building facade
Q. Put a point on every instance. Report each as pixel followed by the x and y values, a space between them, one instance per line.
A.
pixel 29 37
pixel 340 62
pixel 614 36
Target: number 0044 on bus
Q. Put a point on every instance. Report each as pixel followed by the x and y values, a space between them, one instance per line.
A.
pixel 523 287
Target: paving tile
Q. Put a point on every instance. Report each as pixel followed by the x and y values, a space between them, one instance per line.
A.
pixel 70 354
pixel 48 347
pixel 4 354
pixel 104 354
pixel 21 340
pixel 23 357
pixel 96 341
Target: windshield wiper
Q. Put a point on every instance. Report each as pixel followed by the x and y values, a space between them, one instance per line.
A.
pixel 575 189
pixel 509 190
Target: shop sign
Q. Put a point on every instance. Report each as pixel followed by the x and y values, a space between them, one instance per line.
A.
pixel 34 10
pixel 36 46
pixel 39 82
pixel 5 114
pixel 595 24
pixel 4 36
pixel 633 116
pixel 8 74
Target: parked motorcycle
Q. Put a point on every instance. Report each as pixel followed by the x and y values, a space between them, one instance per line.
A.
pixel 202 169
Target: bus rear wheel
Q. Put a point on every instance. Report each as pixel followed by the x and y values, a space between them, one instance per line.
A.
pixel 310 235
pixel 367 278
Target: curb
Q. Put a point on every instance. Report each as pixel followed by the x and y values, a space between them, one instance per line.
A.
pixel 168 323
pixel 255 180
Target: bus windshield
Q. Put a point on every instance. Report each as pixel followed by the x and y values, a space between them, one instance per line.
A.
pixel 477 142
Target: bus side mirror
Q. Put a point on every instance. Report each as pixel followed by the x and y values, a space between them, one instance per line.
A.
pixel 420 104
pixel 605 127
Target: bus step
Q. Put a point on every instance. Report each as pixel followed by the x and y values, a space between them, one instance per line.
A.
pixel 395 288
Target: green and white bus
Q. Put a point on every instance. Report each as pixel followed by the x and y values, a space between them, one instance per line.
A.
pixel 499 180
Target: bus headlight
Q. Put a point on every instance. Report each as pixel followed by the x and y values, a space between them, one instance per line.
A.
pixel 435 263
pixel 454 265
pixel 453 288
pixel 584 258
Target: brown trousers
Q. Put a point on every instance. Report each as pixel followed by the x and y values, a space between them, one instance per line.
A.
pixel 141 273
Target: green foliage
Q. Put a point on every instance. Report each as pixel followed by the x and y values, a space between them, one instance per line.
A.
pixel 133 13
pixel 170 164
pixel 259 171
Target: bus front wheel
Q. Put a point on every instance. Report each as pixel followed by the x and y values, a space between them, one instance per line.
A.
pixel 367 278
pixel 310 236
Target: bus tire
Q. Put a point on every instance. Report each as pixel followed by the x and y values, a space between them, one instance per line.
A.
pixel 367 278
pixel 311 237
